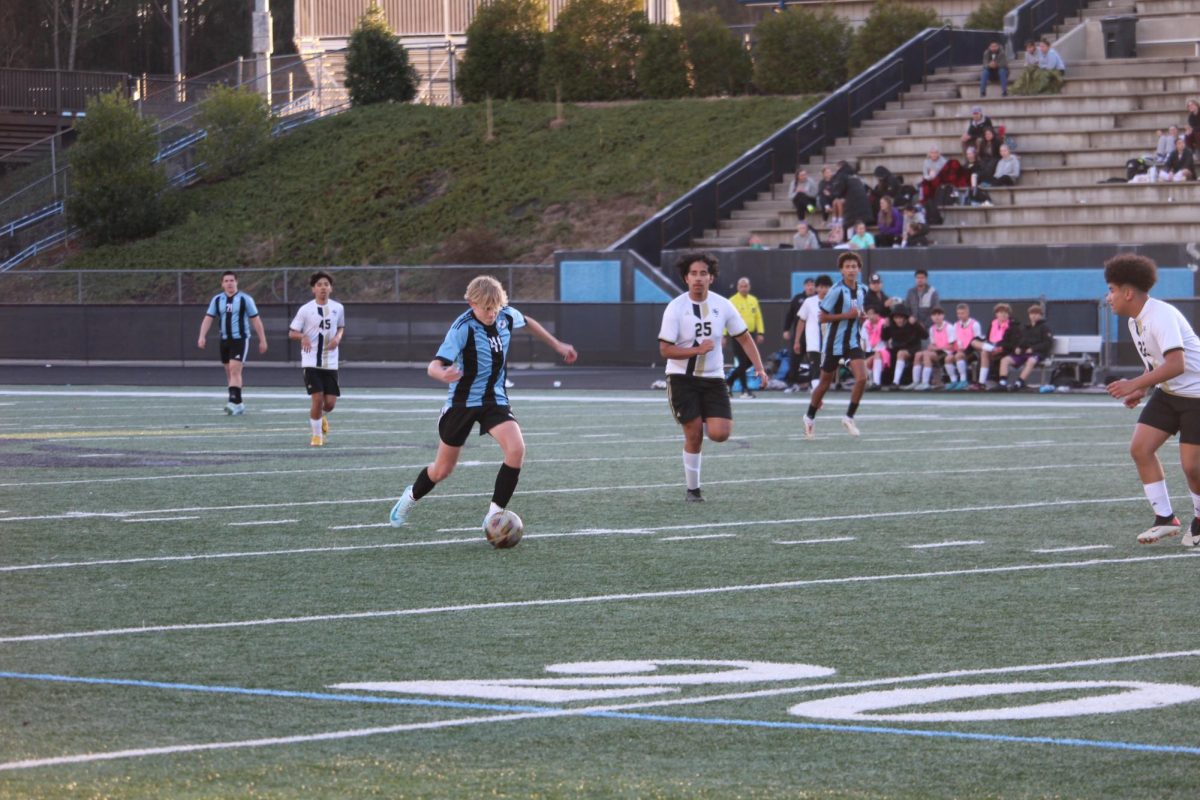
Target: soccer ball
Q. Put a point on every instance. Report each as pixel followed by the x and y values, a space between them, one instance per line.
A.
pixel 503 529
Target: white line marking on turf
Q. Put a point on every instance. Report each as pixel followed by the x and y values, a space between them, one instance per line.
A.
pixel 817 541
pixel 262 522
pixel 702 536
pixel 587 599
pixel 945 544
pixel 160 519
pixel 1073 549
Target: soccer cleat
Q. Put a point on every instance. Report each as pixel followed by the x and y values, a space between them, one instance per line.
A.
pixel 239 409
pixel 316 441
pixel 1162 528
pixel 400 511
pixel 922 387
pixel 324 426
pixel 694 496
pixel 229 407
pixel 848 424
pixel 810 427
pixel 1192 537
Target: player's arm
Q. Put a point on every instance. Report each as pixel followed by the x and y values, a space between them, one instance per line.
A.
pixel 445 371
pixel 746 340
pixel 298 336
pixel 204 326
pixel 672 350
pixel 1172 367
pixel 256 323
pixel 562 348
pixel 337 339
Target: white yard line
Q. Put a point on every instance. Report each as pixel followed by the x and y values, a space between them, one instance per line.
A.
pixel 702 536
pixel 160 519
pixel 945 544
pixel 816 541
pixel 262 522
pixel 1073 549
pixel 584 599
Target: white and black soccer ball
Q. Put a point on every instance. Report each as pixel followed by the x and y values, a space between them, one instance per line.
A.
pixel 503 529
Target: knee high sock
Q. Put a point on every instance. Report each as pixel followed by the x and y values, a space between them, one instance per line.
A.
pixel 963 372
pixel 423 485
pixel 983 374
pixel 506 484
pixel 877 371
pixel 1159 497
pixel 899 374
pixel 691 469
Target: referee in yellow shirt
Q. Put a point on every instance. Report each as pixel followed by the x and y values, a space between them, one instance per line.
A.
pixel 746 305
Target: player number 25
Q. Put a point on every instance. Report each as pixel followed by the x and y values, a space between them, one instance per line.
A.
pixel 704 328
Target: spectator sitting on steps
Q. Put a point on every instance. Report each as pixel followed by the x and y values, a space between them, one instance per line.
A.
pixel 803 194
pixel 1193 124
pixel 975 128
pixel 1008 168
pixel 890 223
pixel 804 238
pixel 930 170
pixel 995 68
pixel 862 238
pixel 1181 165
pixel 989 146
pixel 1048 58
pixel 916 231
pixel 1031 53
pixel 1165 145
pixel 825 198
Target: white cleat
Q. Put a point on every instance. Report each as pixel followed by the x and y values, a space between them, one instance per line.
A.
pixel 229 408
pixel 1159 530
pixel 400 511
pixel 1192 537
pixel 810 427
pixel 238 409
pixel 850 427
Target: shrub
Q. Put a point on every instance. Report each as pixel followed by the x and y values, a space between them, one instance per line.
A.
pixel 890 24
pixel 505 46
pixel 593 50
pixel 719 63
pixel 377 68
pixel 800 52
pixel 237 125
pixel 662 69
pixel 115 186
pixel 990 15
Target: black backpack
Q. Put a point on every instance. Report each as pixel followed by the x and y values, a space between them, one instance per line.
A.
pixel 1136 166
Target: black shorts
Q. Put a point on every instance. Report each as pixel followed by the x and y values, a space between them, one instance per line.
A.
pixel 321 381
pixel 454 425
pixel 830 364
pixel 234 350
pixel 1173 414
pixel 691 397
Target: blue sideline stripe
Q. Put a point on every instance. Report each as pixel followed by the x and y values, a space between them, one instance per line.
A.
pixel 590 281
pixel 630 715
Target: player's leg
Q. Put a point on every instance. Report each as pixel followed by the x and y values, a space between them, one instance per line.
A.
pixel 316 405
pixel 454 426
pixel 234 378
pixel 1155 426
pixel 1031 361
pixel 508 435
pixel 897 376
pixel 1189 459
pixel 858 368
pixel 829 368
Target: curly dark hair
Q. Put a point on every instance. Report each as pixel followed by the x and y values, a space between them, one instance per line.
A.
pixel 1130 269
pixel 316 276
pixel 849 256
pixel 687 259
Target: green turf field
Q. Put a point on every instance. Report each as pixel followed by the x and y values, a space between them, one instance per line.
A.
pixel 951 606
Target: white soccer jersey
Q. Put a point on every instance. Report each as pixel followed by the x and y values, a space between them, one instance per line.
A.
pixel 810 315
pixel 1158 330
pixel 686 323
pixel 319 324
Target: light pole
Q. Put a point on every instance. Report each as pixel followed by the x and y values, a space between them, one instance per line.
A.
pixel 261 41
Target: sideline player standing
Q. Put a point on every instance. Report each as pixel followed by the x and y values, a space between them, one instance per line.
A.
pixel 843 309
pixel 690 340
pixel 1171 352
pixel 472 360
pixel 750 312
pixel 318 327
pixel 234 309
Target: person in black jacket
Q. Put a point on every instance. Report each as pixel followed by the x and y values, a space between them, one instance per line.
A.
pixel 1181 164
pixel 903 336
pixel 1034 345
pixel 789 332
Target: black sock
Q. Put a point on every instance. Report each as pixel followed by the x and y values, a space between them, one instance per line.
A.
pixel 812 411
pixel 1169 519
pixel 851 409
pixel 235 394
pixel 423 486
pixel 506 484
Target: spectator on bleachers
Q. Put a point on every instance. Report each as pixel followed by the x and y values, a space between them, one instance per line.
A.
pixel 979 171
pixel 1033 346
pixel 927 367
pixel 862 238
pixel 989 146
pixel 836 238
pixel 903 335
pixel 922 299
pixel 804 238
pixel 872 337
pixel 995 68
pixel 1048 58
pixel 1031 53
pixel 889 224
pixel 1181 164
pixel 1193 124
pixel 1008 168
pixel 825 198
pixel 976 125
pixel 1001 339
pixel 1165 145
pixel 803 193
pixel 931 169
pixel 848 186
pixel 967 336
pixel 755 242
pixel 886 185
pixel 916 230
pixel 876 297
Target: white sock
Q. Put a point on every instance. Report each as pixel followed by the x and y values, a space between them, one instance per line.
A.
pixel 983 374
pixel 963 374
pixel 926 375
pixel 691 469
pixel 1195 503
pixel 1159 498
pixel 316 426
pixel 493 508
pixel 877 371
pixel 899 374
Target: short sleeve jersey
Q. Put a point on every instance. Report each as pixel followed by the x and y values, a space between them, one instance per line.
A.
pixel 686 323
pixel 481 352
pixel 319 324
pixel 843 334
pixel 232 314
pixel 810 315
pixel 1160 329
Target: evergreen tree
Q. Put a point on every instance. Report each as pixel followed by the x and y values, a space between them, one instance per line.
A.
pixel 801 51
pixel 890 24
pixel 662 69
pixel 377 68
pixel 593 50
pixel 719 63
pixel 504 51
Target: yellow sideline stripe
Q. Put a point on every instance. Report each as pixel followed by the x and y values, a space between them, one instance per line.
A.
pixel 111 433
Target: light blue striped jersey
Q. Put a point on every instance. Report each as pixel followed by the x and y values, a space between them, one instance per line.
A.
pixel 481 352
pixel 843 334
pixel 233 314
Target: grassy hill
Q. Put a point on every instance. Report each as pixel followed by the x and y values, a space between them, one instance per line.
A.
pixel 418 185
